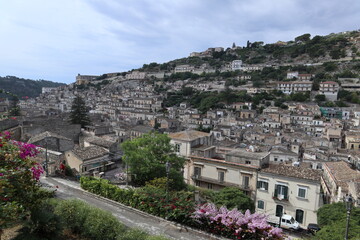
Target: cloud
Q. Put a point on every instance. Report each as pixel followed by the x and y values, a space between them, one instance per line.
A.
pixel 55 40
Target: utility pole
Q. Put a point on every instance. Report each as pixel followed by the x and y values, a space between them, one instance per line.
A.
pixel 46 157
pixel 127 175
pixel 167 168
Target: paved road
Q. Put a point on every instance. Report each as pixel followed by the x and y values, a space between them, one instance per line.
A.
pixel 131 218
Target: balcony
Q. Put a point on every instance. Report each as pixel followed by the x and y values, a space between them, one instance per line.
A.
pixel 245 187
pixel 280 196
pixel 218 182
pixel 196 176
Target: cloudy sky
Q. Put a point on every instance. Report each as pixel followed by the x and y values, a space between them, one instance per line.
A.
pixel 57 39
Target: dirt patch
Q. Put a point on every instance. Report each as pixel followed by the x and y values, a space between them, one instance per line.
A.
pixel 11 233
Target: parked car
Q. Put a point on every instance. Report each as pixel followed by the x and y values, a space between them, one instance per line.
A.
pixel 313 228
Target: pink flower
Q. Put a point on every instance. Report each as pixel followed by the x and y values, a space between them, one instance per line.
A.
pixel 37 170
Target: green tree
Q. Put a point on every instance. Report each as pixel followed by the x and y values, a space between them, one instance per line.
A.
pixel 146 157
pixel 79 112
pixel 232 197
pixel 320 98
pixel 330 66
pixel 304 38
pixel 335 54
pixel 15 109
pixel 332 220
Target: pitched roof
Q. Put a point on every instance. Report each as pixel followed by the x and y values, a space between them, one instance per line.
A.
pixel 283 151
pixel 142 129
pixel 292 171
pixel 188 135
pixel 342 172
pixel 99 141
pixel 89 152
pixel 44 135
pixel 248 154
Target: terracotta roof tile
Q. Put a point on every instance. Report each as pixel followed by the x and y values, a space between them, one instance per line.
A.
pixel 188 135
pixel 292 171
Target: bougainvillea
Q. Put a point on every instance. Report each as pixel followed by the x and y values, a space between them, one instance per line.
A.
pixel 19 176
pixel 234 224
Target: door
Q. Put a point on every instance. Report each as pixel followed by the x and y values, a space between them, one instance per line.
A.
pixel 279 210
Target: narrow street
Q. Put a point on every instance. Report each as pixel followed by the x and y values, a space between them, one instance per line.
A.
pixel 134 219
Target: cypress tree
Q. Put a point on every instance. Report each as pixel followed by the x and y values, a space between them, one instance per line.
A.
pixel 79 112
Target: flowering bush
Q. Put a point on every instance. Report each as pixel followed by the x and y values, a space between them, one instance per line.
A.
pixel 19 176
pixel 234 224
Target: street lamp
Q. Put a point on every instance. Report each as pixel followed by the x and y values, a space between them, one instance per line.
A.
pixel 348 202
pixel 167 167
pixel 46 158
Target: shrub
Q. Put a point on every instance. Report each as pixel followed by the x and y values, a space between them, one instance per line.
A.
pixel 148 199
pixel 101 225
pixel 43 223
pixel 73 213
pixel 90 222
pixel 68 171
pixel 104 188
pixel 232 197
pixel 159 183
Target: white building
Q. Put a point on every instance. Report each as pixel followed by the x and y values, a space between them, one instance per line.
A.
pixel 330 89
pixel 294 87
pixel 292 75
pixel 236 65
pixel 135 75
pixel 286 189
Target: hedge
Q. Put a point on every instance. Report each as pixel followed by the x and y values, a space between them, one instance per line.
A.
pixel 176 206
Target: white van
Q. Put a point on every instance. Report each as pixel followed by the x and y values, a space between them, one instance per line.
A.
pixel 287 221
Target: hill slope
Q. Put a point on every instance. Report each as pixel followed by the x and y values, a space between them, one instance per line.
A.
pixel 25 87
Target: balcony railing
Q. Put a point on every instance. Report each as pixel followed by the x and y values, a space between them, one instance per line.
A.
pixel 196 176
pixel 245 187
pixel 280 197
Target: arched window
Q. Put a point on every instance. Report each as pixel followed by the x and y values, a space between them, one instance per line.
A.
pixel 299 216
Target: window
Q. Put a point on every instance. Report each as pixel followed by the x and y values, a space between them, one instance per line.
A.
pixel 247 162
pixel 246 180
pixel 281 192
pixel 210 186
pixel 299 217
pixel 177 147
pixel 221 176
pixel 197 172
pixel 262 185
pixel 302 192
pixel 275 159
pixel 261 204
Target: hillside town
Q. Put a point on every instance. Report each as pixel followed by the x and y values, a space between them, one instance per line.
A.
pixel 290 146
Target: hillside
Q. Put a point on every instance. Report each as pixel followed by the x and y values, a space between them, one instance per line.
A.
pixel 25 87
pixel 303 49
